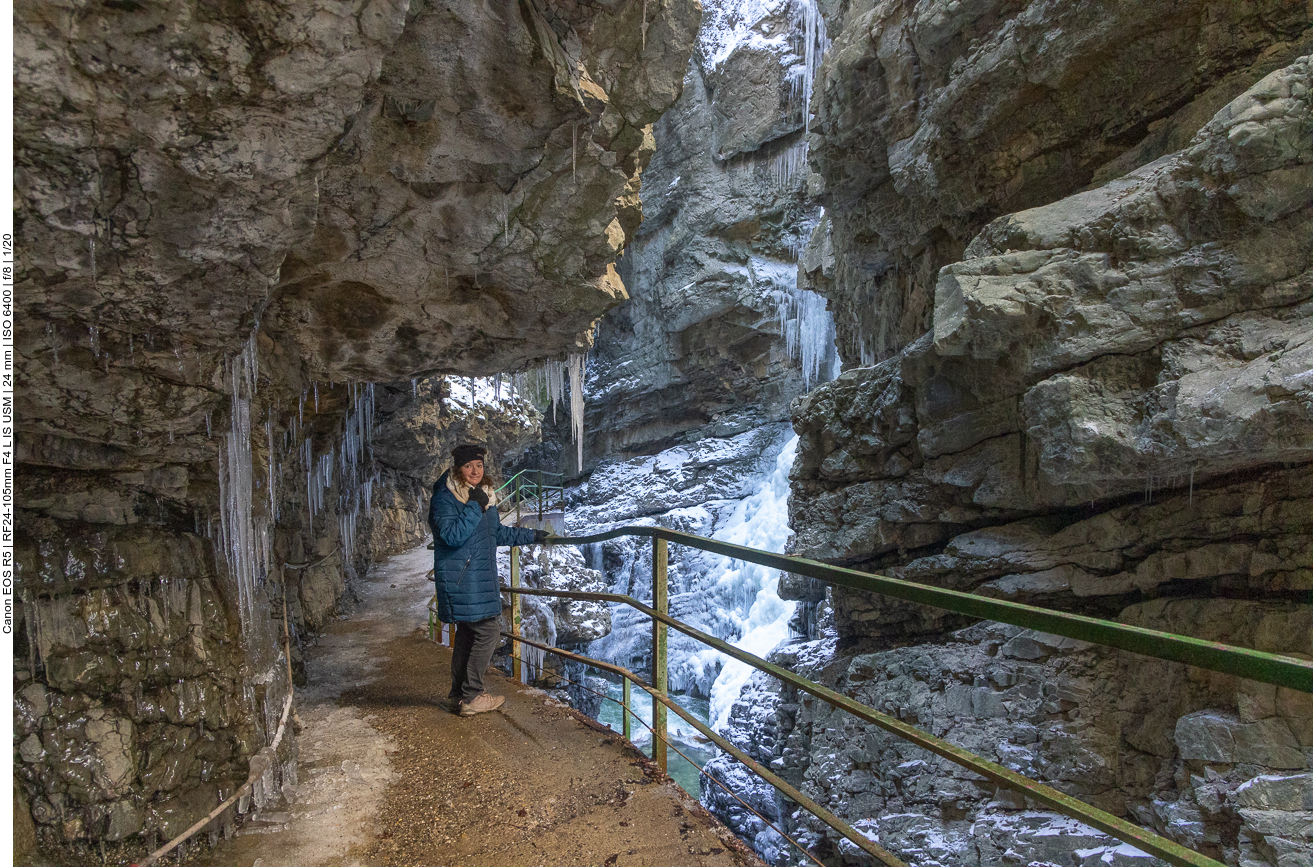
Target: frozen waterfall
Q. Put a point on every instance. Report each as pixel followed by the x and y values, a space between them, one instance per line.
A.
pixel 730 599
pixel 759 521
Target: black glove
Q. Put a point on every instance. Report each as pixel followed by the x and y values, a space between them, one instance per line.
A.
pixel 540 536
pixel 480 496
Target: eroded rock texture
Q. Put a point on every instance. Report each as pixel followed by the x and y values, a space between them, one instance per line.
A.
pixel 1092 397
pixel 1119 380
pixel 932 119
pixel 229 217
pixel 698 351
pixel 1113 729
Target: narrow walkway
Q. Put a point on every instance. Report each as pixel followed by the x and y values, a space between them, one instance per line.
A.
pixel 389 778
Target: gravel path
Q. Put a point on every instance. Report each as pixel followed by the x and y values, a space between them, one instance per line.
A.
pixel 388 778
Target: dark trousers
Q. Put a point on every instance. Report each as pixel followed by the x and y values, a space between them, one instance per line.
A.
pixel 471 653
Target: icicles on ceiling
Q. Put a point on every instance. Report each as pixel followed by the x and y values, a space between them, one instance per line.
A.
pixel 356 473
pixel 551 382
pixel 575 364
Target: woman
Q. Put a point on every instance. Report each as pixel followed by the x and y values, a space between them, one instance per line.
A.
pixel 466 532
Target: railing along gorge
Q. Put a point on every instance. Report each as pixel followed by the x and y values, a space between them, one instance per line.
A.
pixel 1283 671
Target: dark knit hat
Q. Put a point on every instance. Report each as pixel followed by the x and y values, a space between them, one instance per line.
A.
pixel 463 454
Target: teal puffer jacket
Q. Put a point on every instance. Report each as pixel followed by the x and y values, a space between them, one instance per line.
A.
pixel 465 540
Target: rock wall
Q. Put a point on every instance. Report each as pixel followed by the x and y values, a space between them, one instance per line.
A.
pixel 230 219
pixel 1077 243
pixel 702 349
pixel 932 120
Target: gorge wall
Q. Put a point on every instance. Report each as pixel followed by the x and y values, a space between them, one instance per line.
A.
pixel 231 222
pixel 1068 248
pixel 711 342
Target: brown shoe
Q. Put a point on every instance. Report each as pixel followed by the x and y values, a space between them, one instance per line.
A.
pixel 481 703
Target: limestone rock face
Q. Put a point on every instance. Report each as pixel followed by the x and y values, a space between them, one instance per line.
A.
pixel 933 119
pixel 297 171
pixel 470 212
pixel 1146 339
pixel 1102 404
pixel 698 351
pixel 1112 729
pixel 229 219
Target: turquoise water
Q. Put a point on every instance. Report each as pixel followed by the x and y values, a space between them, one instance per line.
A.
pixel 680 734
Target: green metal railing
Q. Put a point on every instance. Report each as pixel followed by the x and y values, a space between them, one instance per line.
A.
pixel 1277 669
pixel 536 489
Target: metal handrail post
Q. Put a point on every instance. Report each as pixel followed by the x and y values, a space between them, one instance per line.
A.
pixel 540 497
pixel 626 727
pixel 659 602
pixel 516 671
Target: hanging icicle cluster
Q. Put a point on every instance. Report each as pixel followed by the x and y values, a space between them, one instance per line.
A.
pixel 552 381
pixel 784 165
pixel 807 18
pixel 576 367
pixel 809 335
pixel 244 538
pixel 357 474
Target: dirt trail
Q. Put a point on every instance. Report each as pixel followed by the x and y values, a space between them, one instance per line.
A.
pixel 390 778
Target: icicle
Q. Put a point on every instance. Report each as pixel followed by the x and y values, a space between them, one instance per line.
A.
pixel 316 398
pixel 576 365
pixel 414 388
pixel 815 41
pixel 574 147
pixel 244 541
pixel 644 27
pixel 554 374
pixel 269 459
pixel 94 330
pixel 809 335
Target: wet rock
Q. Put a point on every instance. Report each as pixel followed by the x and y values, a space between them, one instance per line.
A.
pixel 1276 793
pixel 30 750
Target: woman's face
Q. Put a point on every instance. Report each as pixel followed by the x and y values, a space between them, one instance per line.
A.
pixel 471 473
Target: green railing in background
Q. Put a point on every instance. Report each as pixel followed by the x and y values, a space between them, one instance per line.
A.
pixel 1280 670
pixel 538 490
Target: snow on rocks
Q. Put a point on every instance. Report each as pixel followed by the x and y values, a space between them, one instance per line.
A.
pixel 709 470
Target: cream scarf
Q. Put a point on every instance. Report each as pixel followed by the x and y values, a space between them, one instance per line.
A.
pixel 461 491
